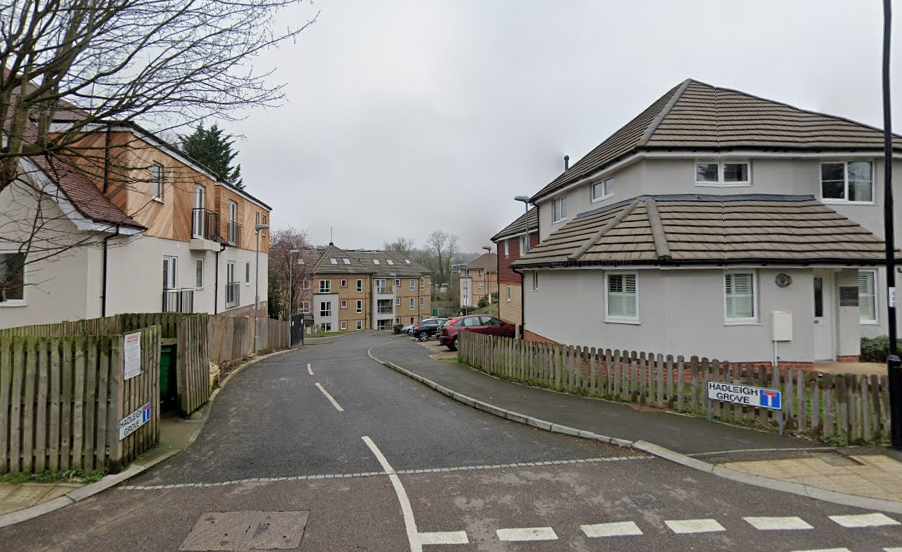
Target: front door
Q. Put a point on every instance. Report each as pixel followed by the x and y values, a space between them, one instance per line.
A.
pixel 823 316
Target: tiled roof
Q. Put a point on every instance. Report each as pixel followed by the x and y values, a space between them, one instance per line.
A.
pixel 343 263
pixel 390 263
pixel 486 261
pixel 698 116
pixel 519 227
pixel 708 229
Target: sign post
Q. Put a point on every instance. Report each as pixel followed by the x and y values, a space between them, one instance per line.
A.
pixel 746 395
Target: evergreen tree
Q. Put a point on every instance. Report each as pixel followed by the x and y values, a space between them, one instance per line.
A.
pixel 213 149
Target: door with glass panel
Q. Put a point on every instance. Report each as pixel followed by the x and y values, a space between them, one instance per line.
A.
pixel 824 348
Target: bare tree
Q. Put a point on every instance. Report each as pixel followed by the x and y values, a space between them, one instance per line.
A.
pixel 280 269
pixel 443 249
pixel 401 245
pixel 73 69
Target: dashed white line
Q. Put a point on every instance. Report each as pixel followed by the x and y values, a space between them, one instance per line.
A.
pixel 331 400
pixel 864 520
pixel 826 550
pixel 446 537
pixel 690 526
pixel 892 550
pixel 309 369
pixel 526 534
pixel 778 523
pixel 616 529
pixel 413 537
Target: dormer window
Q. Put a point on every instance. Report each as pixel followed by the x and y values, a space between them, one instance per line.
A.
pixel 723 173
pixel 847 182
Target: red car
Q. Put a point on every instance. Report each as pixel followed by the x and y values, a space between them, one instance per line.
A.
pixel 478 323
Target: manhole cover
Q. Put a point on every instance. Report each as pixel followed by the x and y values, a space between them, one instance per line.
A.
pixel 646 501
pixel 247 530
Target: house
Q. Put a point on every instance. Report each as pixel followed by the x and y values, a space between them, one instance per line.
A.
pixel 362 290
pixel 478 279
pixel 710 225
pixel 132 225
pixel 511 244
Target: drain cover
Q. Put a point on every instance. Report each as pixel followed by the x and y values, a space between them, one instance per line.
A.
pixel 646 501
pixel 246 530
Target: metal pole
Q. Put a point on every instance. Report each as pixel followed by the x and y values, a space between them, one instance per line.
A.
pixel 893 363
pixel 290 295
pixel 256 289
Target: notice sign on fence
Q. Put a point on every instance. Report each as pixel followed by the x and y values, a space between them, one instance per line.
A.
pixel 133 421
pixel 745 395
pixel 132 355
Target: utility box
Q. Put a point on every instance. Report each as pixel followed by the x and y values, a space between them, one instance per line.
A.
pixel 781 325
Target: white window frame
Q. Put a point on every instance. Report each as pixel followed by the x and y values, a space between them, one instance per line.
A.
pixel 422 283
pixel 508 293
pixel 344 325
pixel 199 267
pixel 523 248
pixel 343 304
pixel 413 284
pixel 156 181
pixel 325 286
pixel 397 282
pixel 741 321
pixel 305 306
pixel 875 282
pixel 535 280
pixel 721 183
pixel 327 326
pixel 325 309
pixel 507 249
pixel 359 286
pixel 413 303
pixel 479 286
pixel 173 271
pixel 397 301
pixel 23 302
pixel 344 282
pixel 845 200
pixel 422 303
pixel 305 284
pixel 607 291
pixel 559 215
pixel 607 190
pixel 360 324
pixel 359 305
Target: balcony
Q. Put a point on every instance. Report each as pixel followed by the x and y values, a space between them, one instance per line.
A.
pixel 387 289
pixel 204 230
pixel 233 295
pixel 384 310
pixel 233 233
pixel 178 300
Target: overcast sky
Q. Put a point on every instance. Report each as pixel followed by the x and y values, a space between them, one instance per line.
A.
pixel 404 116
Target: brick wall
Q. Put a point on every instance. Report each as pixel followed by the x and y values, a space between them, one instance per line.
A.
pixel 505 274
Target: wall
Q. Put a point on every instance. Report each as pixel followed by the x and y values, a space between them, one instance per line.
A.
pixel 315 307
pixel 681 312
pixel 403 292
pixel 511 310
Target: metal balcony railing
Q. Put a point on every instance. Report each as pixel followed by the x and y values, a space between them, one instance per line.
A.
pixel 387 289
pixel 233 294
pixel 234 233
pixel 384 310
pixel 178 300
pixel 204 224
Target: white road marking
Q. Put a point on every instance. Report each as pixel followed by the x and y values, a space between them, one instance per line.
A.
pixel 777 523
pixel 413 537
pixel 526 534
pixel 446 537
pixel 309 369
pixel 864 520
pixel 617 529
pixel 826 550
pixel 689 526
pixel 331 400
pixel 892 550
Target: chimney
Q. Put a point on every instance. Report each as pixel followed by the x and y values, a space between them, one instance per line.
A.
pixel 566 162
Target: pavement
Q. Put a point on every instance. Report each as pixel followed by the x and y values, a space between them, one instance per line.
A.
pixel 325 450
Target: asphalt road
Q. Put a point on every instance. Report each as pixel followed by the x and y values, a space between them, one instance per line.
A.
pixel 382 463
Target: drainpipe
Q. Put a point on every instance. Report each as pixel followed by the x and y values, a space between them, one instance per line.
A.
pixel 106 242
pixel 522 301
pixel 222 247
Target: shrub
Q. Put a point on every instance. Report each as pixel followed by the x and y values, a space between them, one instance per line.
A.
pixel 396 328
pixel 483 302
pixel 876 349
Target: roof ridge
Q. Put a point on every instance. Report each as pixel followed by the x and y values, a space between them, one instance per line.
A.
pixel 665 111
pixel 662 249
pixel 604 230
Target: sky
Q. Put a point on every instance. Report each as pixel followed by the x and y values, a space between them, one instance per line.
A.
pixel 402 117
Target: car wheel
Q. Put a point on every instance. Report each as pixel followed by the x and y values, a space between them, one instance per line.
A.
pixel 453 345
pixel 423 336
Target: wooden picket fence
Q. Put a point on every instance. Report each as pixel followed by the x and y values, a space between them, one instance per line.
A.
pixel 846 408
pixel 193 363
pixel 233 337
pixel 62 397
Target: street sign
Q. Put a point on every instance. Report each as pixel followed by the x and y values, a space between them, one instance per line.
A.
pixel 133 421
pixel 745 395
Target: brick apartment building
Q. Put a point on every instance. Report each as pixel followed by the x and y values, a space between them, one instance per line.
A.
pixel 511 242
pixel 478 279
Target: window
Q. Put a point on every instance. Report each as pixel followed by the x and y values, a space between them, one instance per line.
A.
pixel 739 294
pixel 12 279
pixel 305 284
pixel 535 281
pixel 603 190
pixel 325 286
pixel 422 303
pixel 848 182
pixel 333 261
pixel 508 293
pixel 359 285
pixel 199 273
pixel 413 303
pixel 247 274
pixel 264 222
pixel 391 262
pixel 560 209
pixel 375 261
pixel 327 326
pixel 346 261
pixel 507 249
pixel 359 324
pixel 156 181
pixel 479 273
pixel 867 296
pixel 723 173
pixel 170 273
pixel 397 301
pixel 524 248
pixel 359 305
pixel 397 282
pixel 479 286
pixel 305 306
pixel 344 325
pixel 407 261
pixel 422 283
pixel 413 284
pixel 325 308
pixel 344 283
pixel 344 303
pixel 622 297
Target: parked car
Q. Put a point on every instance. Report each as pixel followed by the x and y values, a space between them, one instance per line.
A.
pixel 406 329
pixel 479 323
pixel 425 329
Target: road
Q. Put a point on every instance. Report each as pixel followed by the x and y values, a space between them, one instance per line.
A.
pixel 325 450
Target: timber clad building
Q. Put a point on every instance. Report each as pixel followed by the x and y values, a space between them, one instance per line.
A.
pixel 363 290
